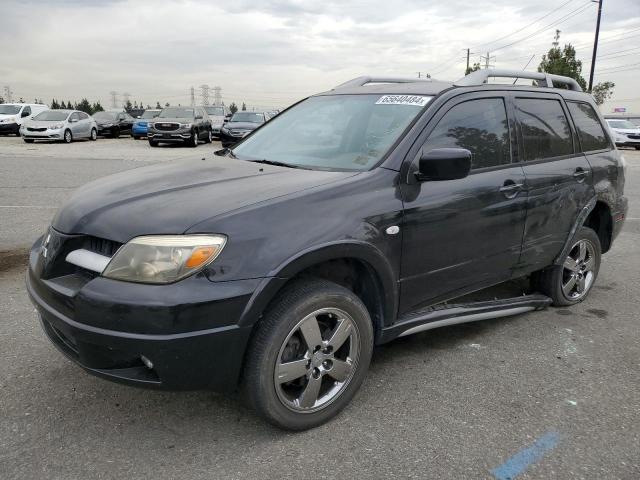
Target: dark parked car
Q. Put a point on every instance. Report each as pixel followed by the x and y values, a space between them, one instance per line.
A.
pixel 357 216
pixel 186 125
pixel 113 124
pixel 240 125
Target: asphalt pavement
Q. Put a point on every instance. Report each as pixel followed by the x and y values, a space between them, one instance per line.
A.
pixel 550 394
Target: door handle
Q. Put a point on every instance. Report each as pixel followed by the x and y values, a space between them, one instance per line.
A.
pixel 580 174
pixel 510 189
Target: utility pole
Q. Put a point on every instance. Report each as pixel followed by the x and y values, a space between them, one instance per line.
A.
pixel 193 97
pixel 205 94
pixel 114 99
pixel 487 60
pixel 595 45
pixel 468 53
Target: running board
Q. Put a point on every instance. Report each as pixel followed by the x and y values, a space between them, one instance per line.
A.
pixel 443 316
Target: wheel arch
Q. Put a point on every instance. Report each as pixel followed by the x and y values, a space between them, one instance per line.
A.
pixel 601 221
pixel 358 266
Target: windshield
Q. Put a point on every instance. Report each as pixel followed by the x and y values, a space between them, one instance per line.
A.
pixel 9 109
pixel 621 124
pixel 249 117
pixel 176 112
pixel 337 132
pixel 52 115
pixel 105 115
pixel 150 114
pixel 215 111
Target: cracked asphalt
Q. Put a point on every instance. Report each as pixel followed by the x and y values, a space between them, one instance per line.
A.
pixel 452 403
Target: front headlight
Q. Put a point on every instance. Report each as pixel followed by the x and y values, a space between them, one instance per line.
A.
pixel 108 125
pixel 224 130
pixel 57 126
pixel 9 120
pixel 185 125
pixel 150 125
pixel 163 258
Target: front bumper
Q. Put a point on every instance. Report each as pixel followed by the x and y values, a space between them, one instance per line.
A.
pixel 9 128
pixel 229 140
pixel 180 135
pixel 188 330
pixel 48 134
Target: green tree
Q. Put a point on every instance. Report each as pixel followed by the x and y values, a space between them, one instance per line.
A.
pixel 84 106
pixel 233 108
pixel 244 107
pixel 128 106
pixel 562 62
pixel 63 106
pixel 167 104
pixel 602 92
pixel 70 105
pixel 96 107
pixel 158 106
pixel 54 104
pixel 21 100
pixel 476 66
pixel 1 99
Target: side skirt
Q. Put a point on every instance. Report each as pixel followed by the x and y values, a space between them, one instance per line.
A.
pixel 441 316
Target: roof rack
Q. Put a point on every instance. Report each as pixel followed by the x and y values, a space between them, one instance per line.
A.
pixel 480 77
pixel 362 81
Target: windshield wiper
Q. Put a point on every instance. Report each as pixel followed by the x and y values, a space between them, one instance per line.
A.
pixel 277 164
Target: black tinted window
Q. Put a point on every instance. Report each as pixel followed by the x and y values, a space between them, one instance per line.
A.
pixel 545 129
pixel 590 131
pixel 480 126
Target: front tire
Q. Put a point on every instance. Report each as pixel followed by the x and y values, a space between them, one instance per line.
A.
pixel 94 135
pixel 68 137
pixel 309 355
pixel 193 140
pixel 153 143
pixel 28 140
pixel 209 138
pixel 115 133
pixel 571 282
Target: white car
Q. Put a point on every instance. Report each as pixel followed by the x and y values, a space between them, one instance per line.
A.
pixel 217 115
pixel 13 115
pixel 625 133
pixel 65 125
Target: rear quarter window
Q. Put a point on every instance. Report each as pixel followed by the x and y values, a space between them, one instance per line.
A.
pixel 545 128
pixel 590 130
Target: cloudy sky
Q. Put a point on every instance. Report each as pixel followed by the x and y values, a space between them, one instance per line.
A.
pixel 271 53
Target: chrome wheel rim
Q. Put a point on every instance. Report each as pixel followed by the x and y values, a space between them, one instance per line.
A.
pixel 317 360
pixel 67 136
pixel 578 270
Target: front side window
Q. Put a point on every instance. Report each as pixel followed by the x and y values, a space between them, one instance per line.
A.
pixel 74 116
pixel 333 132
pixel 590 131
pixel 26 112
pixel 545 128
pixel 479 126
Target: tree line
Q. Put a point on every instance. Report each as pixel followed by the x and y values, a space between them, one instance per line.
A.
pixel 83 105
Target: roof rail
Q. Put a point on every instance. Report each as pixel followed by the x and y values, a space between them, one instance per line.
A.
pixel 480 77
pixel 361 81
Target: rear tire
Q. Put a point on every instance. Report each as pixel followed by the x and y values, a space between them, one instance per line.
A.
pixel 637 147
pixel 318 335
pixel 571 282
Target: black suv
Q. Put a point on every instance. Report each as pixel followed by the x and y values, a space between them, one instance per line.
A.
pixel 357 216
pixel 186 125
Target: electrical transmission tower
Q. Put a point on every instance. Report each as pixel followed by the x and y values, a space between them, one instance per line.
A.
pixel 8 94
pixel 193 97
pixel 204 94
pixel 487 60
pixel 114 99
pixel 217 96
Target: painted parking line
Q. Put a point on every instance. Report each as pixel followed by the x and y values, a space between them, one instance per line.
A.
pixel 28 206
pixel 517 464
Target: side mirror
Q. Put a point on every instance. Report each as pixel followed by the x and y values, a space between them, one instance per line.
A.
pixel 73 120
pixel 444 164
pixel 24 114
pixel 198 117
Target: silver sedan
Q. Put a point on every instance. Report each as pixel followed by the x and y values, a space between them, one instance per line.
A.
pixel 62 125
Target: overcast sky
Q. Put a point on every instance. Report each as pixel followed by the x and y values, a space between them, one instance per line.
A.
pixel 271 53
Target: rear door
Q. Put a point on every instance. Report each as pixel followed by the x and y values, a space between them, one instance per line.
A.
pixel 462 235
pixel 84 124
pixel 75 125
pixel 558 176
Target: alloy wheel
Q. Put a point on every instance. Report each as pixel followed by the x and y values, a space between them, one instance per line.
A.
pixel 317 360
pixel 578 270
pixel 67 136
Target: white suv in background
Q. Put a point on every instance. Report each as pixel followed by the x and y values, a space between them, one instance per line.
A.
pixel 13 115
pixel 625 133
pixel 217 115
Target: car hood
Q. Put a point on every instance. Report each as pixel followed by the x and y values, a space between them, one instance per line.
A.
pixel 168 199
pixel 43 123
pixel 242 125
pixel 173 120
pixel 4 115
pixel 105 122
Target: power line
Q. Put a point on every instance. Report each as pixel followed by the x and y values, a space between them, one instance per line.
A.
pixel 605 70
pixel 525 27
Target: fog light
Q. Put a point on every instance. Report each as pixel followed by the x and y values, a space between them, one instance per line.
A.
pixel 148 363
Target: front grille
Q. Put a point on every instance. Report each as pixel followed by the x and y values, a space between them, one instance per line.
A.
pixel 31 129
pixel 102 246
pixel 634 137
pixel 167 127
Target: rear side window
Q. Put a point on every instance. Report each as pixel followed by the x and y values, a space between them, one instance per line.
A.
pixel 480 126
pixel 590 131
pixel 545 128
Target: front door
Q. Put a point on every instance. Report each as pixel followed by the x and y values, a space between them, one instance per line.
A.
pixel 462 235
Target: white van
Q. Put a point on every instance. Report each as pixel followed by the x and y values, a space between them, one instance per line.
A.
pixel 12 115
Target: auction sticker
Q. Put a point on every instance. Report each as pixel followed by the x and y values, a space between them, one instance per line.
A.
pixel 417 100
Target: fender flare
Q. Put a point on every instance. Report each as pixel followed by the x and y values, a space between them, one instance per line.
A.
pixel 580 219
pixel 365 252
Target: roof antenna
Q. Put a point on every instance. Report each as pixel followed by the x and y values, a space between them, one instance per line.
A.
pixel 525 67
